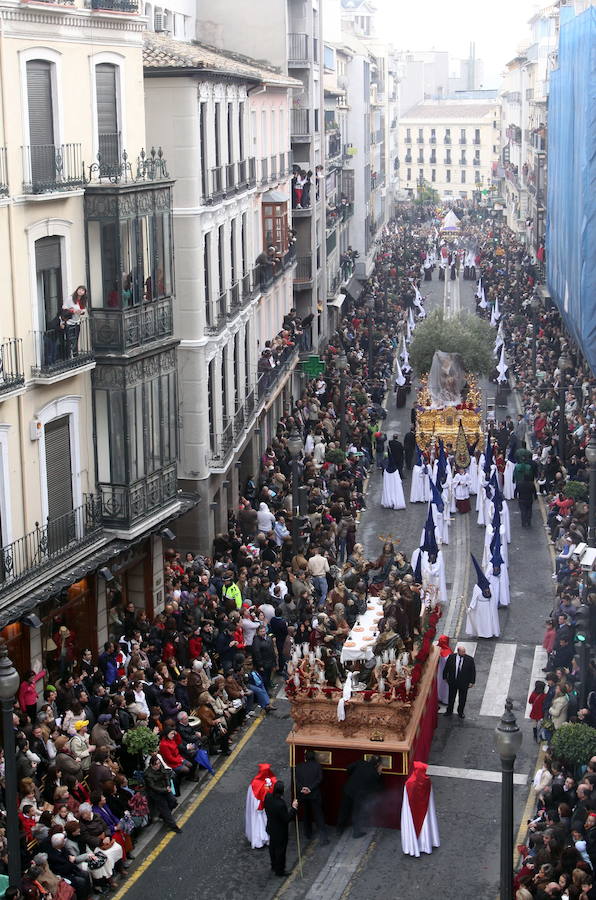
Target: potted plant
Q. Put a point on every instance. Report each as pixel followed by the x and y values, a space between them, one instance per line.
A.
pixel 577 490
pixel 574 744
pixel 139 743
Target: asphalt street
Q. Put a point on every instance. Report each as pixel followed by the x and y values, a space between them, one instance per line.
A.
pixel 211 857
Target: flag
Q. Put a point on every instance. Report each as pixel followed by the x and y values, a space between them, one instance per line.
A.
pixel 399 378
pixel 502 367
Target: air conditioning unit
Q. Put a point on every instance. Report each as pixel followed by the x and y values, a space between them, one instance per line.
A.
pixel 159 21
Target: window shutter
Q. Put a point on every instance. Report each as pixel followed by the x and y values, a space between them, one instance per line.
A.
pixel 107 113
pixel 58 467
pixel 39 100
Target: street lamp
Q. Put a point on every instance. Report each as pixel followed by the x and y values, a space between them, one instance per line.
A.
pixel 9 685
pixel 509 739
pixel 591 457
pixel 534 305
pixel 296 447
pixel 564 365
pixel 342 364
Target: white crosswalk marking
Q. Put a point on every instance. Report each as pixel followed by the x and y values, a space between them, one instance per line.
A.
pixel 499 678
pixel 538 665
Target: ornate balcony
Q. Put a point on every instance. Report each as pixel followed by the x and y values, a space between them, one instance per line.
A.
pixel 118 331
pixel 123 505
pixel 46 544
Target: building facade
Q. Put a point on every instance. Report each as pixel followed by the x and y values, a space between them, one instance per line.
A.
pixel 88 421
pixel 225 124
pixel 451 146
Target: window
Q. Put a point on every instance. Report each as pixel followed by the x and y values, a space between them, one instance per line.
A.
pixel 221 249
pixel 48 269
pixel 329 58
pixel 108 138
pixel 204 159
pixel 41 121
pixel 433 133
pixel 233 267
pixel 409 175
pixel 448 156
pixel 241 138
pixel 433 174
pixel 448 135
pixel 462 135
pixel 275 226
pixel 408 133
pixel 58 478
pixel 244 245
pixel 421 174
pixel 476 135
pixel 207 268
pixel 217 126
pixel 230 132
pixel 448 176
pixel 463 176
pixel 420 135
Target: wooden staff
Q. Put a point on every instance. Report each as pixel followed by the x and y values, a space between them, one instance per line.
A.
pixel 293 767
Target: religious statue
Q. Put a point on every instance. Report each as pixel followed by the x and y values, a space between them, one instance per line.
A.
pixel 446 380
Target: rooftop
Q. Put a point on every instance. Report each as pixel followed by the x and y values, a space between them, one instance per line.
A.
pixel 455 110
pixel 162 53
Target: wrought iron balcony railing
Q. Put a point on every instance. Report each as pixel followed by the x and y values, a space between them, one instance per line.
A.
pixel 298 49
pixel 120 330
pixel 110 169
pixel 58 350
pixel 47 544
pixel 12 374
pixel 48 168
pixel 123 505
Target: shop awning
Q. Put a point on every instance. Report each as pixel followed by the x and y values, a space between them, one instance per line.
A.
pixel 338 301
pixel 354 288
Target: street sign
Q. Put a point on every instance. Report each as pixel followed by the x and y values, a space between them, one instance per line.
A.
pixel 312 366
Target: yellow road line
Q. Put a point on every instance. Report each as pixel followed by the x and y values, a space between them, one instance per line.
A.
pixel 189 812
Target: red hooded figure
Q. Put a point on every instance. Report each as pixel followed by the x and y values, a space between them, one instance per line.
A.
pixel 419 828
pixel 255 817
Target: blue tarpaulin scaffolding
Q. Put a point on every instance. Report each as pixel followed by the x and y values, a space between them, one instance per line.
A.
pixel 571 200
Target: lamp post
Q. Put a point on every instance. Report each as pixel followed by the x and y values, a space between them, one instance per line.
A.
pixel 9 685
pixel 509 739
pixel 564 365
pixel 534 304
pixel 342 365
pixel 591 457
pixel 295 447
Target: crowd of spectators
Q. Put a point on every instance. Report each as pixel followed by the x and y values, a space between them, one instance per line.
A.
pixel 107 747
pixel 558 858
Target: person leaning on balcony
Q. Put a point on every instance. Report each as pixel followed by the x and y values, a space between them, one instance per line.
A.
pixel 76 308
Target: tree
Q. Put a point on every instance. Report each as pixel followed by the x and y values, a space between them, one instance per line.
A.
pixel 425 193
pixel 467 335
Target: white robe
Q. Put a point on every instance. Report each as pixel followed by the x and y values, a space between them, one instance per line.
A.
pixel 509 486
pixel 483 617
pixel 487 553
pixel 420 487
pixel 473 472
pixel 499 584
pixel 442 686
pixel 441 520
pixel 462 484
pixel 433 574
pixel 414 844
pixel 393 492
pixel 505 517
pixel 255 822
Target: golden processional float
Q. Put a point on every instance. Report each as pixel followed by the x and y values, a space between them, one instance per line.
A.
pixel 449 406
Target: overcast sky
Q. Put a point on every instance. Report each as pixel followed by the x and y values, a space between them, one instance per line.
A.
pixel 497 28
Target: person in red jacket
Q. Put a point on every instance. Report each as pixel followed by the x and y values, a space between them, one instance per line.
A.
pixel 536 701
pixel 28 693
pixel 169 748
pixel 195 644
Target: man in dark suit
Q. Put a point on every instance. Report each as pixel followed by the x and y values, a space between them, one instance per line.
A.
pixel 309 776
pixel 460 675
pixel 278 819
pixel 410 447
pixel 396 454
pixel 364 780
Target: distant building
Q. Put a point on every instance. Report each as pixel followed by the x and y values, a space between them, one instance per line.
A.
pixel 452 145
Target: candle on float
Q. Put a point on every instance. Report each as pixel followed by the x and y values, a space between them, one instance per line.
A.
pixel 408 683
